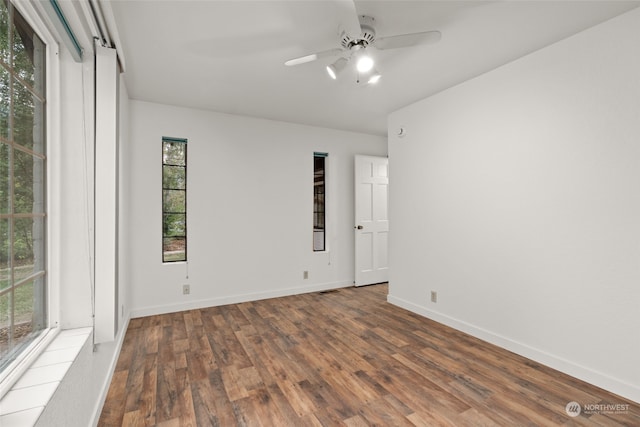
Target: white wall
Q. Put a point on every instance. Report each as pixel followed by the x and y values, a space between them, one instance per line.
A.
pixel 250 194
pixel 516 196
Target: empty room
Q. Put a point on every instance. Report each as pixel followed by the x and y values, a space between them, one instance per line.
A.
pixel 319 212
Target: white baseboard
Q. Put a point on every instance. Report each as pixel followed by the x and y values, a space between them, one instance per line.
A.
pixel 112 367
pixel 235 299
pixel 613 385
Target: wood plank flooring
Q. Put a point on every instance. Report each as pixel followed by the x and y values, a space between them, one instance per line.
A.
pixel 344 357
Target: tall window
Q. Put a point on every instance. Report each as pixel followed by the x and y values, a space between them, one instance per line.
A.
pixel 319 235
pixel 174 199
pixel 23 305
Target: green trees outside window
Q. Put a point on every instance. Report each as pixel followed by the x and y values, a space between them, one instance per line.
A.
pixel 174 199
pixel 23 305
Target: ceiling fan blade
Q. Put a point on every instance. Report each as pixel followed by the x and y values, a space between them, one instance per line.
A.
pixel 407 40
pixel 313 57
pixel 348 17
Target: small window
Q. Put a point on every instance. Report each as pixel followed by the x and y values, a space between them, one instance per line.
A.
pixel 319 216
pixel 174 199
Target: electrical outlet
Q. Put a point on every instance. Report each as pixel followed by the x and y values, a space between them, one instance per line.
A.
pixel 186 289
pixel 305 274
pixel 434 296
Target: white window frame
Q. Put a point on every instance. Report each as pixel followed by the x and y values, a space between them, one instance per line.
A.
pixel 184 141
pixel 16 369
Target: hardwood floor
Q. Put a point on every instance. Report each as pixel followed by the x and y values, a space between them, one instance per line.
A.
pixel 343 357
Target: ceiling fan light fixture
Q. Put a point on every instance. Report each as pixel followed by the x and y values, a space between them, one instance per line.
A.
pixel 374 77
pixel 334 69
pixel 364 63
pixel 359 46
pixel 331 70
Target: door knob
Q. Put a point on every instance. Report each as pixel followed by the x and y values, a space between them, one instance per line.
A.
pixel 359 227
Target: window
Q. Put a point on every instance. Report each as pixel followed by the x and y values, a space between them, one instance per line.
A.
pixel 23 293
pixel 319 185
pixel 174 199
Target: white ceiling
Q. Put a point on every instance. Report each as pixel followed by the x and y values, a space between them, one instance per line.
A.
pixel 228 56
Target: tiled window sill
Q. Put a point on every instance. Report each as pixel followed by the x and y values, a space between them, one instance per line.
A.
pixel 26 400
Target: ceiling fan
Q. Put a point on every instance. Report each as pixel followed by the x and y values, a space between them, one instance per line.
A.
pixel 357 38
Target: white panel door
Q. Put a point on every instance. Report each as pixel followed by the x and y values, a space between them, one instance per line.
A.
pixel 371 220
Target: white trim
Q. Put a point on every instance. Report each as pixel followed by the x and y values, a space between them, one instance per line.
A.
pixel 89 18
pixel 104 390
pixel 329 211
pixel 599 379
pixel 112 29
pixel 54 186
pixel 53 132
pixel 235 299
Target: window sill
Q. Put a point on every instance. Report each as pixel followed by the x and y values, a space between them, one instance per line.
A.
pixel 26 400
pixel 18 367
